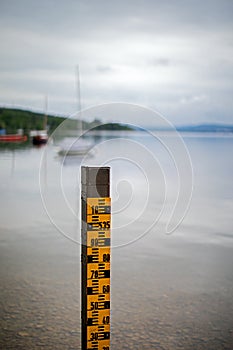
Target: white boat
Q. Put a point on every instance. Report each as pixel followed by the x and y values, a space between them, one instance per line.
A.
pixel 71 146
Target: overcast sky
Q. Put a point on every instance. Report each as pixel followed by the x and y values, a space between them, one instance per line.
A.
pixel 173 56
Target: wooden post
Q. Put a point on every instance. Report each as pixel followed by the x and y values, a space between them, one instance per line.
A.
pixel 95 257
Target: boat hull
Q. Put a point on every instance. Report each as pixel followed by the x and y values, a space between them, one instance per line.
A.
pixel 74 147
pixel 63 152
pixel 13 138
pixel 39 140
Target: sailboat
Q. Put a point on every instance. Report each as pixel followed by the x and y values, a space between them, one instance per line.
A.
pixel 79 146
pixel 41 137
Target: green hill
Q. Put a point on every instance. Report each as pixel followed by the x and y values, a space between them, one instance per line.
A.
pixel 13 119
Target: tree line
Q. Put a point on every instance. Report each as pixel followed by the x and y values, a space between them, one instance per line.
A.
pixel 11 120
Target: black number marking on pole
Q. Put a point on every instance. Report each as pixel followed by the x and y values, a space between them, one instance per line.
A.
pixel 106 319
pixel 106 257
pixel 94 274
pixel 106 289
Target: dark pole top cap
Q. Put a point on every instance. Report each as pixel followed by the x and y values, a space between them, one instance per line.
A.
pixel 95 175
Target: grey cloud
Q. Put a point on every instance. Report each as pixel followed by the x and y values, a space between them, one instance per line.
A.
pixel 104 17
pixel 159 61
pixel 104 69
pixel 141 51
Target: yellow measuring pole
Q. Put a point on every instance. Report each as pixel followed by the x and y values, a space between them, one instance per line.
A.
pixel 96 253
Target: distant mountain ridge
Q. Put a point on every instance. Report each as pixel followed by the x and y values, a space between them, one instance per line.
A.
pixel 206 128
pixel 197 128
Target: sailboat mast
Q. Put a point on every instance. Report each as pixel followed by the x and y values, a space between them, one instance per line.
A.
pixel 45 113
pixel 79 119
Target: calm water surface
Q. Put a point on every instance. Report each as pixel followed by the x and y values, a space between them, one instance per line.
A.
pixel 168 291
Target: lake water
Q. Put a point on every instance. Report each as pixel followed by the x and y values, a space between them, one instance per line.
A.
pixel 168 290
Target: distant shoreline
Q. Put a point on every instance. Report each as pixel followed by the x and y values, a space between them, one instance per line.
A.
pixel 12 120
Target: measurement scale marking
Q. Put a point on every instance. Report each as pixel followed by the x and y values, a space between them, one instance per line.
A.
pixel 98 273
pixel 98 222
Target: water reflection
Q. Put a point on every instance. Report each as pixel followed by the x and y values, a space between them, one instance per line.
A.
pixel 167 291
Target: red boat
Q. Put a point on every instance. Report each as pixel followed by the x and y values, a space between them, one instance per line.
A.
pixel 40 139
pixel 13 138
pixel 41 136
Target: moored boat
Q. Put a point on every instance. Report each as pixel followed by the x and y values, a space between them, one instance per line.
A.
pixel 13 138
pixel 78 146
pixel 74 147
pixel 40 138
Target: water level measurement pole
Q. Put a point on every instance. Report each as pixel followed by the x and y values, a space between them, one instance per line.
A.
pixel 95 274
